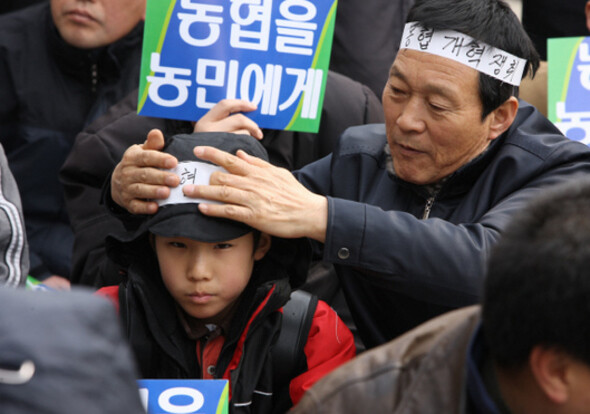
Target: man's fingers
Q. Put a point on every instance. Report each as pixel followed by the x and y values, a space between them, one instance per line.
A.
pixel 155 159
pixel 226 116
pixel 150 192
pixel 259 162
pixel 223 193
pixel 136 156
pixel 223 159
pixel 226 107
pixel 142 207
pixel 154 141
pixel 241 124
pixel 152 176
pixel 230 211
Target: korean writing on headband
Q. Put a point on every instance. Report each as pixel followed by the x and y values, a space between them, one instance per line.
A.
pixel 466 50
pixel 190 172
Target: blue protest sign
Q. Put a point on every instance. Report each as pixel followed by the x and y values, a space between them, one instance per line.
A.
pixel 168 396
pixel 568 93
pixel 274 53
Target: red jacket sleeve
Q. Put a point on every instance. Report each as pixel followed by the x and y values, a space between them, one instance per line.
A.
pixel 329 344
pixel 110 292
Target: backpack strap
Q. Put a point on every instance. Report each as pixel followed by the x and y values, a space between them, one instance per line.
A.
pixel 287 355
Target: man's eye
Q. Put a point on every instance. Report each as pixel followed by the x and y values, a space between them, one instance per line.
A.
pixel 436 107
pixel 223 245
pixel 178 245
pixel 396 91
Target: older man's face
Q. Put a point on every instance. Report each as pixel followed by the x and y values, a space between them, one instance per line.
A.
pixel 90 24
pixel 433 116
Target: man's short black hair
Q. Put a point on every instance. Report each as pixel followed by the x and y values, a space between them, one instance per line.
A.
pixel 537 290
pixel 489 21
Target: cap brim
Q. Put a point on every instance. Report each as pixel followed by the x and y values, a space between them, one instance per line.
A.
pixel 187 221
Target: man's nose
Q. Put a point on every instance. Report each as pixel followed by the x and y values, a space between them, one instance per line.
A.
pixel 411 117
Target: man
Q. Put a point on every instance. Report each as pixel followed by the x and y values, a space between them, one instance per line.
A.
pixel 525 351
pixel 14 265
pixel 62 64
pixel 406 211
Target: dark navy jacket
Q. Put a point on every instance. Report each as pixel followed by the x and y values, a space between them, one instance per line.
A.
pixel 49 91
pixel 398 269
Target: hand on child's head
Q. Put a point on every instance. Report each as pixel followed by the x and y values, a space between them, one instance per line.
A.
pixel 226 116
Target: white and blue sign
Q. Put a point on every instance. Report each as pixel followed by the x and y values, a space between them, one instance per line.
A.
pixel 184 396
pixel 274 53
pixel 569 86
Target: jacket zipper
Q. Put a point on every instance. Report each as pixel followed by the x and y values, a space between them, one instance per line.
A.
pixel 428 207
pixel 94 77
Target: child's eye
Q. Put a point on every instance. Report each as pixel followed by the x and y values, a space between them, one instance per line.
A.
pixel 223 245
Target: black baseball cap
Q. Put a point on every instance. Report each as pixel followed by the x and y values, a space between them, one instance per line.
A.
pixel 185 220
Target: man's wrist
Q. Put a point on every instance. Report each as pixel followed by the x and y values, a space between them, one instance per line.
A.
pixel 319 220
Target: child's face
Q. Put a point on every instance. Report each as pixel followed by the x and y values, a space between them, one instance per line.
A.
pixel 206 278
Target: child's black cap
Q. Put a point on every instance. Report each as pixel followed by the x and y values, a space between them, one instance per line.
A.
pixel 185 220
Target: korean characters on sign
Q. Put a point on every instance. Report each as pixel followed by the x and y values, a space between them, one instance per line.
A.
pixel 574 122
pixel 258 50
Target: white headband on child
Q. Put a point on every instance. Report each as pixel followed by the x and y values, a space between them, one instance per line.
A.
pixel 190 172
pixel 466 50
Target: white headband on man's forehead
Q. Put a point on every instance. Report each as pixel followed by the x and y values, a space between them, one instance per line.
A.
pixel 466 50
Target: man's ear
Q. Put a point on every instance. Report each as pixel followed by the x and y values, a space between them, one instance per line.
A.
pixel 502 117
pixel 263 246
pixel 550 370
pixel 588 15
pixel 144 10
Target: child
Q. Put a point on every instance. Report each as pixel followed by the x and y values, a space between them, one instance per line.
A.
pixel 203 297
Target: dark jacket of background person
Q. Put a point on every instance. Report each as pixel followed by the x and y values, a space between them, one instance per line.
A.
pixel 100 147
pixel 391 285
pixel 14 266
pixel 49 91
pixel 543 19
pixel 81 362
pixel 11 5
pixel 163 349
pixel 423 371
pixel 367 35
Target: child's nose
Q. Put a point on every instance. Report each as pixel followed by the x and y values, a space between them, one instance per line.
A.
pixel 199 269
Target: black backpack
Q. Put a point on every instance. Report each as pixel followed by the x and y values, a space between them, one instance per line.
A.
pixel 288 355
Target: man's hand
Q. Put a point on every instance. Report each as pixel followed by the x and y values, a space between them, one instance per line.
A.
pixel 57 282
pixel 225 117
pixel 137 179
pixel 261 195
